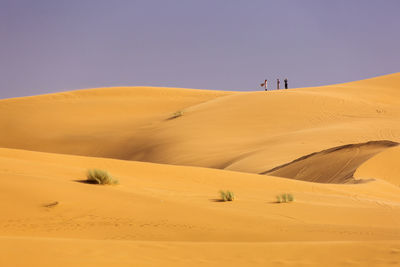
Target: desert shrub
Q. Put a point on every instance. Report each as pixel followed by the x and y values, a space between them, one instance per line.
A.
pixel 226 195
pixel 284 198
pixel 176 115
pixel 97 176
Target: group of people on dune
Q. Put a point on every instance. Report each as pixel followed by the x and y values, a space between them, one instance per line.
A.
pixel 278 83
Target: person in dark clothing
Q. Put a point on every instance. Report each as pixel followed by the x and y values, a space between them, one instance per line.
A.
pixel 278 82
pixel 286 83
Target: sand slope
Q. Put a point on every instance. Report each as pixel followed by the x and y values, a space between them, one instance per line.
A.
pixel 67 252
pixel 77 122
pixel 160 208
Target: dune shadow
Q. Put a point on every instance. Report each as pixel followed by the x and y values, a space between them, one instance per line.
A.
pixel 216 200
pixel 274 202
pixel 85 181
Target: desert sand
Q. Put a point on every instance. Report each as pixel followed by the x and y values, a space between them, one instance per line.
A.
pixel 334 148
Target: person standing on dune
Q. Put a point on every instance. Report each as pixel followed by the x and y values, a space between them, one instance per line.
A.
pixel 278 82
pixel 265 85
pixel 286 83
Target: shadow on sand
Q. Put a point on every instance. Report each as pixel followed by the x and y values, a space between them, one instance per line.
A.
pixel 216 200
pixel 85 182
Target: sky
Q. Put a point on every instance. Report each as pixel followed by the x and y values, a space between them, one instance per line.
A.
pixel 55 45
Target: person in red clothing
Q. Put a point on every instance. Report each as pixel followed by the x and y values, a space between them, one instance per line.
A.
pixel 278 82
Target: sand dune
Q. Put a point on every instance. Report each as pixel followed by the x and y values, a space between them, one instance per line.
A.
pixel 77 122
pixel 247 132
pixel 153 201
pixel 172 151
pixel 167 206
pixel 334 165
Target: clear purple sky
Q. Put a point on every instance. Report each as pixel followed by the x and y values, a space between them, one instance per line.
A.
pixel 56 45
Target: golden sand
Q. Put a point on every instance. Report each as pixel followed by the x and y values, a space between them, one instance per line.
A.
pixel 334 148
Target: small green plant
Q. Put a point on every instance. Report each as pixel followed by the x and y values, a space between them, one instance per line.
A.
pixel 284 198
pixel 176 115
pixel 226 195
pixel 96 176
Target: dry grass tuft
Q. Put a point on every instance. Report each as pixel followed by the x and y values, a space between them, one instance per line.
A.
pixel 226 195
pixel 284 198
pixel 96 176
